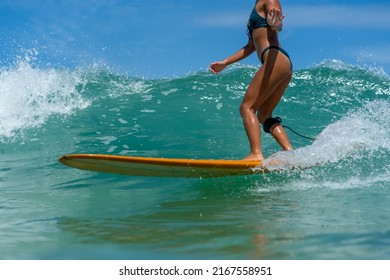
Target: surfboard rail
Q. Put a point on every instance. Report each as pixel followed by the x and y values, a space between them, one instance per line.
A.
pixel 162 167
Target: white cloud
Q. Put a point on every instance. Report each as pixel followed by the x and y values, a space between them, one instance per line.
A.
pixel 315 16
pixel 341 16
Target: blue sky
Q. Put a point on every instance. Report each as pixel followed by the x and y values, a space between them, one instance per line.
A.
pixel 176 37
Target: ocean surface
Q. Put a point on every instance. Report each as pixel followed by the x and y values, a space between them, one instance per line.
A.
pixel 337 209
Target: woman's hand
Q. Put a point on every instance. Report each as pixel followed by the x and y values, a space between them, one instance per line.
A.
pixel 274 19
pixel 217 66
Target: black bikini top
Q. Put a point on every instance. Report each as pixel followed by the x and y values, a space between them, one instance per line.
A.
pixel 255 21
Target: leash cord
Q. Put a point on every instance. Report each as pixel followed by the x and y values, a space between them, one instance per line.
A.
pixel 303 136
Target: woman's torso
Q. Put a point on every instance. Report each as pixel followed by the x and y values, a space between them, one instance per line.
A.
pixel 263 36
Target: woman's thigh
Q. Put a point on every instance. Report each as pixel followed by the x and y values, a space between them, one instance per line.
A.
pixel 268 106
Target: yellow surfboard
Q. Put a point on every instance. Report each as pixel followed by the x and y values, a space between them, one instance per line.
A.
pixel 162 167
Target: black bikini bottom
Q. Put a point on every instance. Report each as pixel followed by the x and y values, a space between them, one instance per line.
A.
pixel 278 48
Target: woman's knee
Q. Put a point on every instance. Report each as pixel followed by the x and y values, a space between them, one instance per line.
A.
pixel 245 109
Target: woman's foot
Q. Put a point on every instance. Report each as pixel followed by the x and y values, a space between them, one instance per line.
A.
pixel 254 157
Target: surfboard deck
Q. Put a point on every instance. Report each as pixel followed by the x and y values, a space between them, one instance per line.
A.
pixel 162 167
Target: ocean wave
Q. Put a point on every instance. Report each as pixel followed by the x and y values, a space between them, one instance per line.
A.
pixel 29 96
pixel 321 94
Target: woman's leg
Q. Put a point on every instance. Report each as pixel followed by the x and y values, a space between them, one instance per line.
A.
pixel 250 120
pixel 265 112
pixel 267 81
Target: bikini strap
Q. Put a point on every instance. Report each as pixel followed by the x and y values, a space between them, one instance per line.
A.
pixel 262 54
pixel 265 50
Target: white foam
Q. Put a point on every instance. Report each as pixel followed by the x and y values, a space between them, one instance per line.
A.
pixel 366 129
pixel 29 95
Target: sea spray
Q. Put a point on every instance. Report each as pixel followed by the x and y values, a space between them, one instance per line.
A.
pixel 364 129
pixel 29 96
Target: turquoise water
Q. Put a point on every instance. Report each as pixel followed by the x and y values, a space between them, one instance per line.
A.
pixel 339 209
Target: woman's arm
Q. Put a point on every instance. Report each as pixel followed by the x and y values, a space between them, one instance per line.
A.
pixel 246 51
